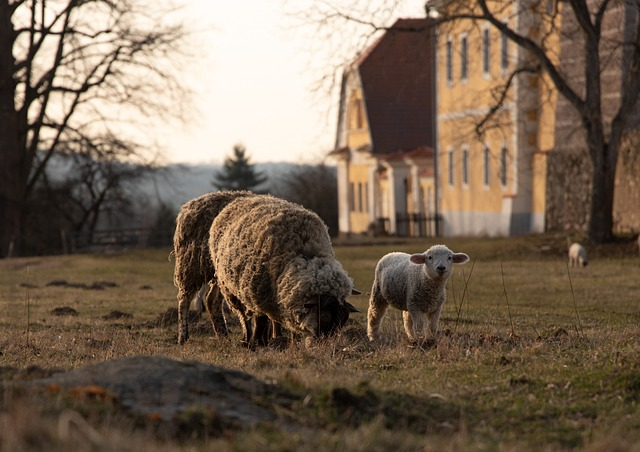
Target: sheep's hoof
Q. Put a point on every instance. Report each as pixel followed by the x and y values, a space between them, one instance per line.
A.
pixel 279 343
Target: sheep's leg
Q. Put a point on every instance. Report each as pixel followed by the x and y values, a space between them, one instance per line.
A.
pixel 213 303
pixel 241 311
pixel 184 300
pixel 261 326
pixel 377 309
pixel 414 324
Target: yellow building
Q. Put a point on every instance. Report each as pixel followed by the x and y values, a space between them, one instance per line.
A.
pixel 384 142
pixel 492 160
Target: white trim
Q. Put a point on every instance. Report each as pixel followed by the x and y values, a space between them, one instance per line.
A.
pixel 480 111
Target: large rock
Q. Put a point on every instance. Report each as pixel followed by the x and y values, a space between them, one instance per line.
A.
pixel 162 388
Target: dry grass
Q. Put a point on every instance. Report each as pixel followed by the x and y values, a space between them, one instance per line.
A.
pixel 534 356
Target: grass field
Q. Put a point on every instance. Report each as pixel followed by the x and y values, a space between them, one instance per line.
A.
pixel 533 355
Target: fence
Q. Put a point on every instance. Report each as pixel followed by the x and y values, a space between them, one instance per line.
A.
pixel 114 239
pixel 413 225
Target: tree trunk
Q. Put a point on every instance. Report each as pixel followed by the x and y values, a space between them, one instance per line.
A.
pixel 602 191
pixel 12 193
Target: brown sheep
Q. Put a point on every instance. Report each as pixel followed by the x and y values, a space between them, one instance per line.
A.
pixel 193 266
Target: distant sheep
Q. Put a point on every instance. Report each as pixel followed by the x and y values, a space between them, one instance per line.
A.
pixel 415 284
pixel 577 255
pixel 275 264
pixel 193 267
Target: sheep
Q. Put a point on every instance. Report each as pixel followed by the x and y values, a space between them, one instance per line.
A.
pixel 415 284
pixel 577 255
pixel 275 266
pixel 193 266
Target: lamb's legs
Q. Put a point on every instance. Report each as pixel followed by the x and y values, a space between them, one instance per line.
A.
pixel 434 319
pixel 377 309
pixel 413 324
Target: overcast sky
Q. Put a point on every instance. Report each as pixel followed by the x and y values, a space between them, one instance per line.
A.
pixel 254 86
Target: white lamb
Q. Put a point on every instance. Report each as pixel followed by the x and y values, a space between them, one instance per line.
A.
pixel 415 284
pixel 577 255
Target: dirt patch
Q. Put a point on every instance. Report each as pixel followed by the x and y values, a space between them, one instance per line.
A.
pixel 64 311
pixel 96 285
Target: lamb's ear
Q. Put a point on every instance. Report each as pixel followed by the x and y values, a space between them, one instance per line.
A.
pixel 417 258
pixel 460 258
pixel 355 292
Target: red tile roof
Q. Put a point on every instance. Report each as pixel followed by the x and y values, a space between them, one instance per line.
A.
pixel 397 76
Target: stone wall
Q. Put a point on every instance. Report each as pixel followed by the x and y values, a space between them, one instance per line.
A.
pixel 568 191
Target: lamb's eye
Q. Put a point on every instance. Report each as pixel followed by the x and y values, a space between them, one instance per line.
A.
pixel 449 257
pixel 430 258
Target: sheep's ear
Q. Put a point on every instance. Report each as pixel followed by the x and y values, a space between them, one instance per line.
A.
pixel 460 258
pixel 351 307
pixel 355 292
pixel 417 258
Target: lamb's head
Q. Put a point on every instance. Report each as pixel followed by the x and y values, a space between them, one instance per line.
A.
pixel 438 261
pixel 325 314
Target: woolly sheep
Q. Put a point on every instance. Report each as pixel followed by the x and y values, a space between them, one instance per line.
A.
pixel 275 263
pixel 577 255
pixel 415 284
pixel 193 266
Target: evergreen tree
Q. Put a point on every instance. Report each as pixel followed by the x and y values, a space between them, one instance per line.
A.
pixel 237 173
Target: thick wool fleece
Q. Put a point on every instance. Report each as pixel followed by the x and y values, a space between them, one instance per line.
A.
pixel 272 258
pixel 193 266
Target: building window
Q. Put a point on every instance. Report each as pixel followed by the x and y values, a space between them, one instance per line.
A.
pixel 487 164
pixel 465 166
pixel 504 157
pixel 352 197
pixel 366 197
pixel 486 52
pixel 463 59
pixel 359 197
pixel 356 114
pixel 449 62
pixel 504 52
pixel 451 167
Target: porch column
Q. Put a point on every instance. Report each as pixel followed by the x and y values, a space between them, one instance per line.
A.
pixel 397 195
pixel 344 225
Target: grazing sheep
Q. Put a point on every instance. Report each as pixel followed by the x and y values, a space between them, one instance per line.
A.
pixel 275 266
pixel 193 267
pixel 415 284
pixel 577 255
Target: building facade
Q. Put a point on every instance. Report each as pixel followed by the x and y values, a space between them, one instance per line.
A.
pixel 384 142
pixel 495 125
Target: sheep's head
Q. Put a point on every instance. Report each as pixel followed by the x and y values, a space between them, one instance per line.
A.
pixel 325 314
pixel 438 261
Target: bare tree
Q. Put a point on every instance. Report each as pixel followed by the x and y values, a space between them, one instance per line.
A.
pixel 315 187
pixel 590 23
pixel 74 71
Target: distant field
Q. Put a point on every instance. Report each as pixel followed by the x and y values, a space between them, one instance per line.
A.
pixel 534 355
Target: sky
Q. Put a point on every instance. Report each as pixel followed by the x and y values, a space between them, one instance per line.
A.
pixel 254 87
